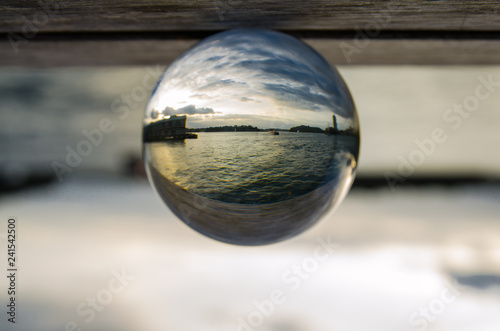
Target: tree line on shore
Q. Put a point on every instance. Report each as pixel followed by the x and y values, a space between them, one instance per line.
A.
pixel 301 128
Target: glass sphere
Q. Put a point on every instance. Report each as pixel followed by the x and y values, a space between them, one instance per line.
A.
pixel 250 137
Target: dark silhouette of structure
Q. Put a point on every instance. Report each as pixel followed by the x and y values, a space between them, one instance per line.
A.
pixel 334 129
pixel 173 127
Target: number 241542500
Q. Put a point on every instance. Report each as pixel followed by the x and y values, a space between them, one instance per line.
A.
pixel 11 239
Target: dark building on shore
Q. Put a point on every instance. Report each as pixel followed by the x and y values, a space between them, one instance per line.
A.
pixel 173 127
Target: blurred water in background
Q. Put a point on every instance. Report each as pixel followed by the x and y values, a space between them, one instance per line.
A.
pixel 397 250
pixel 393 255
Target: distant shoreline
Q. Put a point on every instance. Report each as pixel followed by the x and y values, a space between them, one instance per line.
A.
pixel 227 128
pixel 295 129
pixel 154 129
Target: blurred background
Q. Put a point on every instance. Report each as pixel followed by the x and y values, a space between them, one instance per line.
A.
pixel 418 236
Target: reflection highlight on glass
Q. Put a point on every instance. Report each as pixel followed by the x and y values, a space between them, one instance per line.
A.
pixel 250 137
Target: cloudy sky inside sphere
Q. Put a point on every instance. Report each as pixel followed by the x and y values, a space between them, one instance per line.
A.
pixel 253 77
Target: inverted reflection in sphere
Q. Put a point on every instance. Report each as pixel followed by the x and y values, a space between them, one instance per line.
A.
pixel 250 137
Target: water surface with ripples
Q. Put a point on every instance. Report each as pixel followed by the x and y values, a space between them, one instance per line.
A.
pixel 253 167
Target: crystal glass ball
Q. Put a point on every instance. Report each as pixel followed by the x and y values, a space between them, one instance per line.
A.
pixel 250 137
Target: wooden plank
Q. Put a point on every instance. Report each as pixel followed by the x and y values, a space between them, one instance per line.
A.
pixel 49 52
pixel 202 15
pixel 102 32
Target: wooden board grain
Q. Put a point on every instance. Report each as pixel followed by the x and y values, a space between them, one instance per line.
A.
pixel 82 33
pixel 50 52
pixel 200 15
